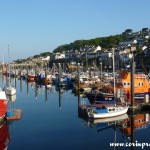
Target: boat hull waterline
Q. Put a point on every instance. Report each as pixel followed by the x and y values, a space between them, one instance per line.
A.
pixel 116 111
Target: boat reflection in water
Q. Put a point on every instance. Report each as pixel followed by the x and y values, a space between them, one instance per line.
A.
pixel 5 123
pixel 12 98
pixel 134 123
pixel 4 134
pixel 112 120
pixel 125 125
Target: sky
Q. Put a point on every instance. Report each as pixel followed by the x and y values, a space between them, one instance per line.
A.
pixel 31 27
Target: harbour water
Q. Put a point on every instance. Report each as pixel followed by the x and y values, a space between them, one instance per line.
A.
pixel 51 121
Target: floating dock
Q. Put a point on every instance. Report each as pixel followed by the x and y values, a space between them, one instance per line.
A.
pixel 14 114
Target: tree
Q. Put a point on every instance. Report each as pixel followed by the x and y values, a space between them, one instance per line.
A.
pixel 104 42
pixel 128 31
pixel 144 29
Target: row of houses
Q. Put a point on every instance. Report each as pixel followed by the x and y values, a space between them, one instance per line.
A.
pixel 122 51
pixel 138 38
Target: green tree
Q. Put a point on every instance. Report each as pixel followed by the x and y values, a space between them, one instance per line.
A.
pixel 144 29
pixel 128 31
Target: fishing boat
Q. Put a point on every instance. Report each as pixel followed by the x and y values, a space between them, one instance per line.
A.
pixel 106 112
pixel 99 95
pixel 141 84
pixel 31 76
pixel 3 104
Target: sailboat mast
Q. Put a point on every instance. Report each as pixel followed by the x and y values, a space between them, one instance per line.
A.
pixel 9 63
pixel 8 55
pixel 3 64
pixel 114 72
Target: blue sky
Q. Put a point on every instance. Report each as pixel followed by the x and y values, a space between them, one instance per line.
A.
pixel 32 27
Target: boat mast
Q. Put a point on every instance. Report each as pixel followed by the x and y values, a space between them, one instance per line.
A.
pixel 114 72
pixel 9 64
pixel 8 54
pixel 3 64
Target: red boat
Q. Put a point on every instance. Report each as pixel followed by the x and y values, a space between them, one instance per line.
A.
pixel 3 104
pixel 31 77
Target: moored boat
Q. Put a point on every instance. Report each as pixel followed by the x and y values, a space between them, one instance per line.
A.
pixel 3 104
pixel 141 84
pixel 106 112
pixel 31 77
pixel 97 95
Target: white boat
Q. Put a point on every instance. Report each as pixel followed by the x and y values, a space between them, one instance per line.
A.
pixel 106 112
pixel 109 111
pixel 9 89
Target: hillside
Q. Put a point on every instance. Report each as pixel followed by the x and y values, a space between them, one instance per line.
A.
pixel 104 42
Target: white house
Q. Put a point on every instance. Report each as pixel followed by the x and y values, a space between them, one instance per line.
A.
pixel 46 59
pixel 58 55
pixel 98 48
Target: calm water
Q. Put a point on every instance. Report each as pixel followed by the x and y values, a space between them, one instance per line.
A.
pixel 50 121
